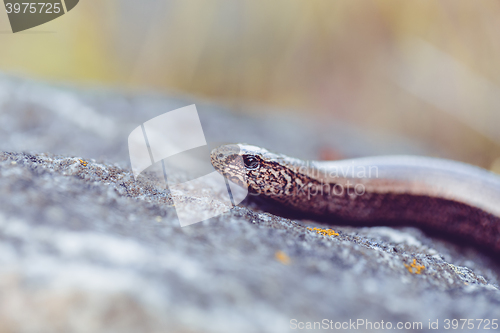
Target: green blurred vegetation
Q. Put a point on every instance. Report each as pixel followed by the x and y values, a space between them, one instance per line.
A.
pixel 328 59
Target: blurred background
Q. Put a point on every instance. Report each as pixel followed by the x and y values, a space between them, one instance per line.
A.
pixel 428 71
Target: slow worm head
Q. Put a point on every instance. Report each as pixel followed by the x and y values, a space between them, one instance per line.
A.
pixel 448 196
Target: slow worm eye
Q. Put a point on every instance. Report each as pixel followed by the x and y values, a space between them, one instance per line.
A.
pixel 220 155
pixel 251 162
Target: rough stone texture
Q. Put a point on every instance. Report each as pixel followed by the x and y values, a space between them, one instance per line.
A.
pixel 85 248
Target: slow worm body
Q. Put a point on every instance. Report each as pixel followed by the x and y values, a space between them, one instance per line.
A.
pixel 448 196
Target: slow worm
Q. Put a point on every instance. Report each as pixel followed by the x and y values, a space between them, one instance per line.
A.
pixel 451 197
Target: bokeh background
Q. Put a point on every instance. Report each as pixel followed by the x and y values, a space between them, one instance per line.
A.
pixel 427 71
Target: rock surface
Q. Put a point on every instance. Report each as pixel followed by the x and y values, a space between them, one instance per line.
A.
pixel 85 248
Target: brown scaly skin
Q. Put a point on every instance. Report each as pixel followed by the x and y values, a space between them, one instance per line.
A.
pixel 297 185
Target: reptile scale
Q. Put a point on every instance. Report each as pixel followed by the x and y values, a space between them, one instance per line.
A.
pixel 447 196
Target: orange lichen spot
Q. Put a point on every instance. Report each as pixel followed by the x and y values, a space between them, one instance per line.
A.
pixel 324 232
pixel 282 257
pixel 82 162
pixel 414 268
